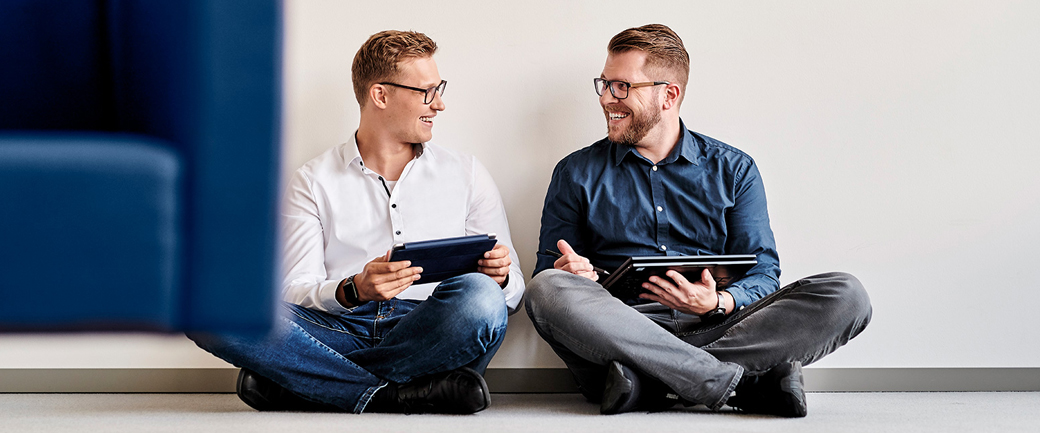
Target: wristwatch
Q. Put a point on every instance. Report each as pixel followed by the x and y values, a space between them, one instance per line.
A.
pixel 719 311
pixel 350 292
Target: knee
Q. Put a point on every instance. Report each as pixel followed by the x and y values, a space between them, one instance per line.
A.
pixel 542 294
pixel 851 297
pixel 479 299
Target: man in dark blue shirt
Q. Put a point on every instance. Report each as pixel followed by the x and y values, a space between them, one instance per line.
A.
pixel 652 187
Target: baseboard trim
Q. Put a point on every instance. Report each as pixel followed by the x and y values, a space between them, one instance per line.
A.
pixel 511 380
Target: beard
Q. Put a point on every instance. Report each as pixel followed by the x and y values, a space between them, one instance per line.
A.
pixel 638 127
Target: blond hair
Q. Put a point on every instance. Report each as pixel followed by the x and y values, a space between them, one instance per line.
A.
pixel 379 56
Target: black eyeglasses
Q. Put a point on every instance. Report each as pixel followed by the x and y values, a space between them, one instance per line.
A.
pixel 427 93
pixel 619 89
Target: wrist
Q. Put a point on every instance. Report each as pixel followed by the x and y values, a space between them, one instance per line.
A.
pixel 347 293
pixel 719 311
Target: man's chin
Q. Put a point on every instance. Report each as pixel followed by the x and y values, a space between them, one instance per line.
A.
pixel 618 137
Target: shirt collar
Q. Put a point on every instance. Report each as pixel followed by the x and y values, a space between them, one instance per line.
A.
pixel 352 156
pixel 686 148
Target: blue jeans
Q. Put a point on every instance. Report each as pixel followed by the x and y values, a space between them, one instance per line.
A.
pixel 344 360
pixel 588 328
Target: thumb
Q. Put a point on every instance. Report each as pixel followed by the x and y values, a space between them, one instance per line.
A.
pixel 385 257
pixel 564 247
pixel 706 276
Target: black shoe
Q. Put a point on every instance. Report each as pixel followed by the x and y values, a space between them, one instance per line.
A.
pixel 625 390
pixel 779 391
pixel 262 394
pixel 460 391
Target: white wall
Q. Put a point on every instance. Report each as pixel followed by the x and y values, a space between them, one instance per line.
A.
pixel 892 137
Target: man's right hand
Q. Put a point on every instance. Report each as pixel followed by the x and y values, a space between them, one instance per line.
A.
pixel 381 279
pixel 573 263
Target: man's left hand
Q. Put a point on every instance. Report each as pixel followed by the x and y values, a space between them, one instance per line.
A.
pixel 678 293
pixel 495 263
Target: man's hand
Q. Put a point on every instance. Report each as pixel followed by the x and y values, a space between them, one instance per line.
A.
pixel 573 263
pixel 680 294
pixel 381 280
pixel 495 263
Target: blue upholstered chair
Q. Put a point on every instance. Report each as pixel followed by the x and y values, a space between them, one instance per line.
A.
pixel 139 162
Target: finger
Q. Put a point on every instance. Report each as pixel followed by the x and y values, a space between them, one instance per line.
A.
pixel 664 283
pixel 706 278
pixel 493 271
pixel 389 290
pixel 503 262
pixel 662 292
pixel 401 274
pixel 655 298
pixel 678 277
pixel 564 247
pixel 577 267
pixel 498 252
pixel 590 275
pixel 397 266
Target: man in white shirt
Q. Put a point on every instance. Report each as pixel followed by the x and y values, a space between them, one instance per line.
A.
pixel 361 333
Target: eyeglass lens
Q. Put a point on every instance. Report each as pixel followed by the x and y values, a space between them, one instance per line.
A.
pixel 618 89
pixel 428 98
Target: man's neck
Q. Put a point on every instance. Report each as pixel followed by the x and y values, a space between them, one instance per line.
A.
pixel 381 153
pixel 660 141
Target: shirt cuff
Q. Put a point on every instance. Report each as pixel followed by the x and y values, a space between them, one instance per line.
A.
pixel 514 291
pixel 740 297
pixel 327 295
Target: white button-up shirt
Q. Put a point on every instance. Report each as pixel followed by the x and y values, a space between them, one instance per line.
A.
pixel 339 215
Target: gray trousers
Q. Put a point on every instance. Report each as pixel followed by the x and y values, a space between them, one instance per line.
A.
pixel 588 328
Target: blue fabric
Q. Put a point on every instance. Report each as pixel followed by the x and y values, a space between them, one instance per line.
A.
pixel 200 78
pixel 603 200
pixel 85 216
pixel 344 360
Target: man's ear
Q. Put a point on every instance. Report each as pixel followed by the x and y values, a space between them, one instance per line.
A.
pixel 377 95
pixel 672 96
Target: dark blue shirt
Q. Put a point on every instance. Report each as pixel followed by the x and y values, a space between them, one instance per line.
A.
pixel 706 198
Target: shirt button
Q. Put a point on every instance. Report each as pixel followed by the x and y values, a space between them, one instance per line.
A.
pixel 398 232
pixel 655 168
pixel 394 206
pixel 659 208
pixel 663 248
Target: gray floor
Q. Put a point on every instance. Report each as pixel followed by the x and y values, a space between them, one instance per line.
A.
pixel 830 412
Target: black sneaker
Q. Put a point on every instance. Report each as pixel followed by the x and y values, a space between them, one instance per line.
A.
pixel 625 390
pixel 263 394
pixel 460 391
pixel 779 391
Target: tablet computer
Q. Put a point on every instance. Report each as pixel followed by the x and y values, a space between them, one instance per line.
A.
pixel 444 258
pixel 627 281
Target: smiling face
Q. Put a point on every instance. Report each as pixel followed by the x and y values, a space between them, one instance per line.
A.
pixel 407 118
pixel 629 120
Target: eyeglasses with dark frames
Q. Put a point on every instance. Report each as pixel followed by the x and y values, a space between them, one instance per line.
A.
pixel 619 89
pixel 428 94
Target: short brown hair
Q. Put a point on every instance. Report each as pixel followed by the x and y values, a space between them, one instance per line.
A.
pixel 664 50
pixel 378 57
